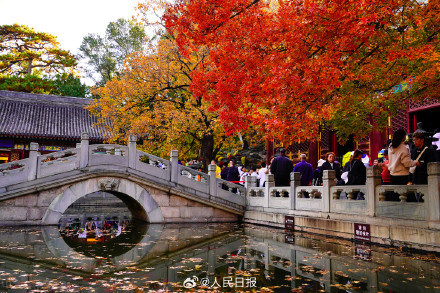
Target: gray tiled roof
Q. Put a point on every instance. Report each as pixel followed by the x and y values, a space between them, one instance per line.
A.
pixel 46 116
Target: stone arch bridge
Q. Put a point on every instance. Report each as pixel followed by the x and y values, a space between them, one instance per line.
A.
pixel 37 190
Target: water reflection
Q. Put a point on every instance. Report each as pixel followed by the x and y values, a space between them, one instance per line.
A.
pixel 105 240
pixel 164 257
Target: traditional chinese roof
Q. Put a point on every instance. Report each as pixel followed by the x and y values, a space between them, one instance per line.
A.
pixel 46 116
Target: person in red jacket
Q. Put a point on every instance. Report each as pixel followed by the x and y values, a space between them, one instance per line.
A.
pixel 386 177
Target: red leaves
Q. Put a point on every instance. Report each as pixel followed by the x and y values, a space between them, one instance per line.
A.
pixel 288 65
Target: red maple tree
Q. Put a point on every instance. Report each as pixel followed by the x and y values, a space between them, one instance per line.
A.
pixel 290 65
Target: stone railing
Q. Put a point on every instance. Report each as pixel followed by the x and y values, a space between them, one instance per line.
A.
pixel 58 162
pixel 225 191
pixel 279 196
pixel 348 199
pixel 99 154
pixel 418 202
pixel 121 158
pixel 309 198
pixel 153 165
pixel 397 201
pixel 193 178
pixel 14 172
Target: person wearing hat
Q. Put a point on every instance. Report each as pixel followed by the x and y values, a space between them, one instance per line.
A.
pixel 358 173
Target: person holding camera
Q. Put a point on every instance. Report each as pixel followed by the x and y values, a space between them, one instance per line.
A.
pixel 422 154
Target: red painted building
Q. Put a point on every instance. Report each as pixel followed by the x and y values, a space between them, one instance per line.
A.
pixel 426 111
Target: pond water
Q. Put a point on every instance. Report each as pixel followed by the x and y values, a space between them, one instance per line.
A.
pixel 121 255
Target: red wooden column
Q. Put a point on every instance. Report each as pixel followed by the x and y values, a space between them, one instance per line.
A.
pixel 269 150
pixel 377 140
pixel 313 154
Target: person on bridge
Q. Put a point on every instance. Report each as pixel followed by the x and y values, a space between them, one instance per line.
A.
pixel 281 168
pixel 262 174
pixel 218 170
pixel 399 159
pixel 306 171
pixel 233 174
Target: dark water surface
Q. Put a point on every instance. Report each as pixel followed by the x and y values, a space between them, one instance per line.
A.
pixel 119 255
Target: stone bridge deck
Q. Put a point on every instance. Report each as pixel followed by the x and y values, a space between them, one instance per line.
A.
pixel 37 190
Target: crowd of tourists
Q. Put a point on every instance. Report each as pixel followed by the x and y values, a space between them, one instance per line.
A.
pixel 402 162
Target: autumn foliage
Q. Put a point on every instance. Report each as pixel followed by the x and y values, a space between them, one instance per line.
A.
pixel 152 99
pixel 290 65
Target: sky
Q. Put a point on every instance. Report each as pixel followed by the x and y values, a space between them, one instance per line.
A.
pixel 69 21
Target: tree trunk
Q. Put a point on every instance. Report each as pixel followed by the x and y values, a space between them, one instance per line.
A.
pixel 207 151
pixel 29 69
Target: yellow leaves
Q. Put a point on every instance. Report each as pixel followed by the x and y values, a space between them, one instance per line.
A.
pixel 152 99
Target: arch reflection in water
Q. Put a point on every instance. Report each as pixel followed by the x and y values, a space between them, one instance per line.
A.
pixel 167 255
pixel 104 254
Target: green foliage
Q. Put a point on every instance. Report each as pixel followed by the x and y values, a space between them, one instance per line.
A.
pixel 105 54
pixel 23 51
pixel 70 85
pixel 62 84
pixel 27 83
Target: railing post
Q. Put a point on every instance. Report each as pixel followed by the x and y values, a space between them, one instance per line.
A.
pixel 250 181
pixel 212 179
pixel 33 161
pixel 328 179
pixel 84 157
pixel 295 180
pixel 433 192
pixel 270 182
pixel 374 178
pixel 174 160
pixel 132 152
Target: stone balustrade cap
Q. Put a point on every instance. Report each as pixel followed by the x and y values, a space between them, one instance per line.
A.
pixel 434 169
pixel 329 175
pixel 34 146
pixel 84 135
pixel 374 171
pixel 295 176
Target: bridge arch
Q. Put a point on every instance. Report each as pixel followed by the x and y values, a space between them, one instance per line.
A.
pixel 138 200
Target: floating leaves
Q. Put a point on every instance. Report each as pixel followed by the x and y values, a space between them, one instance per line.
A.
pixel 219 253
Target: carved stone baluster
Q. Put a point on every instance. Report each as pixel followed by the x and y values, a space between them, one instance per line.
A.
pixel 403 197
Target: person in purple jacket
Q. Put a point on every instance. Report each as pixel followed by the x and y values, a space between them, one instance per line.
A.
pixel 281 168
pixel 306 171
